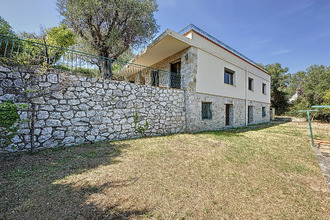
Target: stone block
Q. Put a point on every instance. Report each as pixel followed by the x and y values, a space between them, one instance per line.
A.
pixel 62 108
pixel 69 95
pixel 80 140
pixel 52 78
pixel 67 114
pixel 74 102
pixel 42 115
pixel 57 95
pixel 7 97
pixel 53 123
pixel 68 140
pixel 58 135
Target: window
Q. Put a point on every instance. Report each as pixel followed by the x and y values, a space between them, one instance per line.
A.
pixel 229 114
pixel 250 84
pixel 206 110
pixel 263 111
pixel 229 76
pixel 175 75
pixel 263 88
pixel 155 78
pixel 250 114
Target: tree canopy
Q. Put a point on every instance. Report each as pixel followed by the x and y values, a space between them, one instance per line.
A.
pixel 5 28
pixel 110 27
pixel 60 36
pixel 279 83
pixel 313 86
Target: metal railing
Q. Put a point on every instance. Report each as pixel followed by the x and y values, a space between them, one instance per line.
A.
pixel 77 62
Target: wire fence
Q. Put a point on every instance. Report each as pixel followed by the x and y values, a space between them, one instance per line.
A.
pixel 77 62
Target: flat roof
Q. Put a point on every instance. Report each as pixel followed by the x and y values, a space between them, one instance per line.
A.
pixel 209 37
pixel 171 42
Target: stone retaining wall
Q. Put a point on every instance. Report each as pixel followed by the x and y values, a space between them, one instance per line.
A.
pixel 92 109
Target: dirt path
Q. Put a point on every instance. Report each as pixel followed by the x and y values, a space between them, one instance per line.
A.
pixel 324 162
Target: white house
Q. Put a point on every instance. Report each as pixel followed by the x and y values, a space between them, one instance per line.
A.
pixel 223 88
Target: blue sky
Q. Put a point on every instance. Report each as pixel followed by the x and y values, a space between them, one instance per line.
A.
pixel 295 33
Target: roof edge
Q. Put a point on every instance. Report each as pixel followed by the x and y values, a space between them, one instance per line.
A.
pixel 209 37
pixel 167 32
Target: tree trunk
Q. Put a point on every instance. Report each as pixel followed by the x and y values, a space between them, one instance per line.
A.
pixel 105 65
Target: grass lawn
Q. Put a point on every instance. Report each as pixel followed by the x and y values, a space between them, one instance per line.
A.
pixel 267 171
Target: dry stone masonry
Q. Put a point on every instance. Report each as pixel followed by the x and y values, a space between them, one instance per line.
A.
pixel 91 110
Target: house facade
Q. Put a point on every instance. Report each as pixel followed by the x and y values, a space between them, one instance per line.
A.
pixel 183 82
pixel 223 88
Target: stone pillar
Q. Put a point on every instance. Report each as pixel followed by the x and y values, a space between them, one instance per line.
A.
pixel 189 73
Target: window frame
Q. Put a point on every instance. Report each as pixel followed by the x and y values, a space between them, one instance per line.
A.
pixel 263 112
pixel 231 76
pixel 208 110
pixel 250 114
pixel 263 88
pixel 250 83
pixel 229 114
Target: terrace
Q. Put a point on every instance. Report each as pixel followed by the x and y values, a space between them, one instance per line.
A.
pixel 82 63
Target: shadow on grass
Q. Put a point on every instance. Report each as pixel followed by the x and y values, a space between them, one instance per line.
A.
pixel 236 132
pixel 28 190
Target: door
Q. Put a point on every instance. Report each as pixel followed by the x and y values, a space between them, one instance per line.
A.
pixel 155 78
pixel 229 114
pixel 175 80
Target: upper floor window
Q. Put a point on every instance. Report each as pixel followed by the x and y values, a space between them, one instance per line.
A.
pixel 229 76
pixel 251 84
pixel 263 88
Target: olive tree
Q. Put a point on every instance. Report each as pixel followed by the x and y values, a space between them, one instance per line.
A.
pixel 110 27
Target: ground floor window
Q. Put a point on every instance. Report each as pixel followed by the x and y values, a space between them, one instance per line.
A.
pixel 229 114
pixel 250 114
pixel 206 110
pixel 263 112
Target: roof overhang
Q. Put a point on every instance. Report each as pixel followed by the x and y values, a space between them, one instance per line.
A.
pixel 166 45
